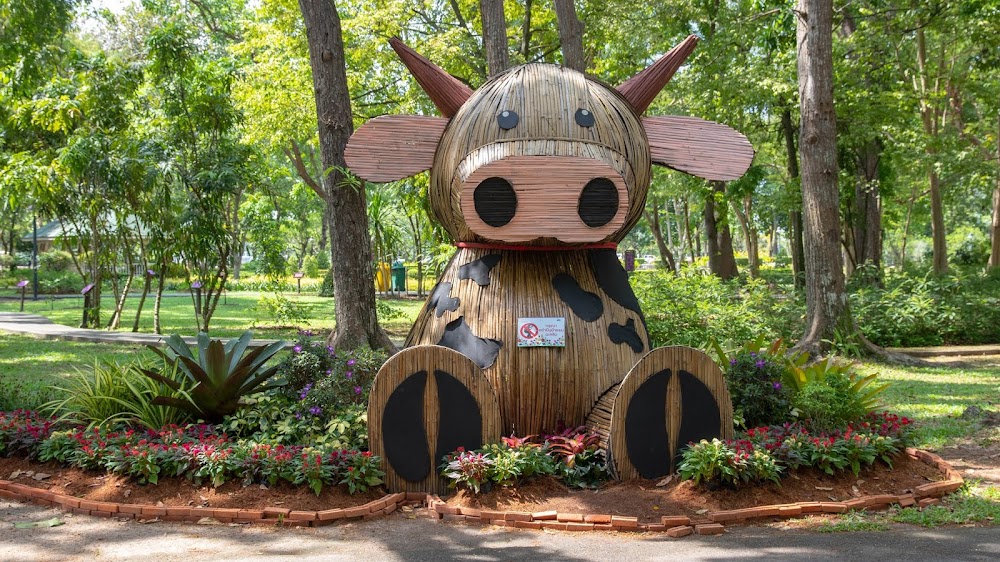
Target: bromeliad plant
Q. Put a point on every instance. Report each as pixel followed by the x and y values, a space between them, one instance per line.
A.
pixel 222 374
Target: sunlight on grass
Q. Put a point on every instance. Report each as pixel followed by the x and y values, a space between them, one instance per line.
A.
pixel 974 503
pixel 853 521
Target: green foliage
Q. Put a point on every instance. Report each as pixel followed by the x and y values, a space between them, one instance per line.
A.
pixel 717 462
pixel 920 310
pixel 326 289
pixel 55 260
pixel 310 266
pixel 275 418
pixel 755 376
pixel 831 394
pixel 690 309
pixel 971 504
pixel 221 374
pixel 117 392
pixel 324 379
pixel 279 309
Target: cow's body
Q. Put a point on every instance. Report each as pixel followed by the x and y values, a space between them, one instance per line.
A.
pixel 486 291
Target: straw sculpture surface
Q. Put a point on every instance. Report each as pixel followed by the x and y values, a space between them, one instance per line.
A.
pixel 537 175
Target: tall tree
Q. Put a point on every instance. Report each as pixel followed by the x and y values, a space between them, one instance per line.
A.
pixel 570 35
pixel 350 248
pixel 494 36
pixel 826 295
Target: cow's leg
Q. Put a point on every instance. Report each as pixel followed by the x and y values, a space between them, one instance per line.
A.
pixel 672 396
pixel 428 401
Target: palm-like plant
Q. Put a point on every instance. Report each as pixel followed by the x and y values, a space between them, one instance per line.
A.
pixel 222 374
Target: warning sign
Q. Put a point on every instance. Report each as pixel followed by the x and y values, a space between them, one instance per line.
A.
pixel 541 332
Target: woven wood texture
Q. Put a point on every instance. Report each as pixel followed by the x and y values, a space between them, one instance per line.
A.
pixel 641 89
pixel 537 387
pixel 446 91
pixel 428 358
pixel 675 358
pixel 702 148
pixel 548 189
pixel 546 99
pixel 393 147
pixel 599 418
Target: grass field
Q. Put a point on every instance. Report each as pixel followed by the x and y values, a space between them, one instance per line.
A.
pixel 235 313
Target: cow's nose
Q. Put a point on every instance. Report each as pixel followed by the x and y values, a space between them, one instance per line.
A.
pixel 496 201
pixel 598 202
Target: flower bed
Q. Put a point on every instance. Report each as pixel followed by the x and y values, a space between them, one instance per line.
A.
pixel 197 452
pixel 763 453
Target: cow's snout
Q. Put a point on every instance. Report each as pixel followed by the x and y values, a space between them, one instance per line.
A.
pixel 522 198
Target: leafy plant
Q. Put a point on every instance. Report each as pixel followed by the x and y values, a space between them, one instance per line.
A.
pixel 831 394
pixel 467 468
pixel 363 472
pixel 222 374
pixel 279 309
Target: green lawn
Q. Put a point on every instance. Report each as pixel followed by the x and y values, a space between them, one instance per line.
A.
pixel 234 314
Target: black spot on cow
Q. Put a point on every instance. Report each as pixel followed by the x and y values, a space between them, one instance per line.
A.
pixel 460 421
pixel 626 334
pixel 613 280
pixel 458 336
pixel 584 304
pixel 441 299
pixel 403 429
pixel 700 417
pixel 479 270
pixel 646 437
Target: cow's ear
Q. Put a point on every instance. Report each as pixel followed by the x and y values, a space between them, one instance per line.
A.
pixel 698 147
pixel 393 147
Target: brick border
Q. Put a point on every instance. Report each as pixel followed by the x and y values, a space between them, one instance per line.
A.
pixel 673 525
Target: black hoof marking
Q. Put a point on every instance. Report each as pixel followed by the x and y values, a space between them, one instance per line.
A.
pixel 700 416
pixel 626 334
pixel 646 437
pixel 403 429
pixel 479 270
pixel 584 304
pixel 461 422
pixel 441 299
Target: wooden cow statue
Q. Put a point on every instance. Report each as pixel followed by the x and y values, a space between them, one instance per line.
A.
pixel 537 175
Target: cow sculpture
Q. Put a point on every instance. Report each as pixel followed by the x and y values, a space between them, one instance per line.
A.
pixel 537 175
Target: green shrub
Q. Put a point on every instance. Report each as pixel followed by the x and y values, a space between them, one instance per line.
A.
pixel 55 260
pixel 310 266
pixel 322 378
pixel 692 308
pixel 323 260
pixel 279 309
pixel 117 392
pixel 755 375
pixel 275 418
pixel 326 289
pixel 831 394
pixel 221 375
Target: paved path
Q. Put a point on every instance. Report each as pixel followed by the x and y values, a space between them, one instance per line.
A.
pixel 397 538
pixel 43 328
pixel 949 350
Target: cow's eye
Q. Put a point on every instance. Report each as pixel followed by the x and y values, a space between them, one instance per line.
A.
pixel 507 119
pixel 584 118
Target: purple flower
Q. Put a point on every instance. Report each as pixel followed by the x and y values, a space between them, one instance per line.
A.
pixel 752 354
pixel 315 410
pixel 329 371
pixel 351 362
pixel 305 391
pixel 760 363
pixel 777 386
pixel 357 390
pixel 732 361
pixel 298 415
pixel 297 349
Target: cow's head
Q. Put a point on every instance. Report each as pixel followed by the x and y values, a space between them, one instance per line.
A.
pixel 541 154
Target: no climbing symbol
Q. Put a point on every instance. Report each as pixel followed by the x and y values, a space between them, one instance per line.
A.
pixel 529 331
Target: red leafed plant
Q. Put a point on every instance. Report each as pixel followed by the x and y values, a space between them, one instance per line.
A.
pixel 573 442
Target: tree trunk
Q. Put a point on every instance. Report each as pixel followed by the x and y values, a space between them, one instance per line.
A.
pixel 494 36
pixel 350 247
pixel 827 311
pixel 749 231
pixel 158 300
pixel 526 31
pixel 142 302
pixel 570 35
pixel 721 260
pixel 929 117
pixel 795 241
pixel 653 220
pixel 867 224
pixel 687 230
pixel 995 231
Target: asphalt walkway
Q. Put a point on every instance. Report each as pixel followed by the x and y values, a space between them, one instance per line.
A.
pixel 397 538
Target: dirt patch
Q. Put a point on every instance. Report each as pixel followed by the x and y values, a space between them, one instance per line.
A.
pixel 178 492
pixel 643 498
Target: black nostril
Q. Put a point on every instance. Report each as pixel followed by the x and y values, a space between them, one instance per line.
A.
pixel 496 201
pixel 598 202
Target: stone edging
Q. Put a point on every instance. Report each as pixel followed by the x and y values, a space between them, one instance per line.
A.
pixel 710 523
pixel 672 525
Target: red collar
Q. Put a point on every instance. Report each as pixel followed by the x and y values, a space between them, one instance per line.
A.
pixel 522 248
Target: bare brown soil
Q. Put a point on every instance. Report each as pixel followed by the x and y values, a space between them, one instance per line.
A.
pixel 640 498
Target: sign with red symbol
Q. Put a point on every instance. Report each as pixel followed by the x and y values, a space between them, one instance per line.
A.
pixel 541 332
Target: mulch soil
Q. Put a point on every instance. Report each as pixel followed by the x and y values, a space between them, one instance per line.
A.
pixel 642 498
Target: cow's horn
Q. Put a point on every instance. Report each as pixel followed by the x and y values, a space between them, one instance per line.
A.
pixel 640 89
pixel 446 91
